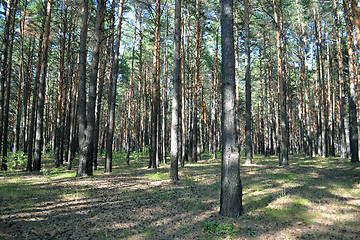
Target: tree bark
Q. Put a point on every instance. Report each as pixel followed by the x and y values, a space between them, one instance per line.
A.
pixel 342 103
pixel 85 168
pixel 284 125
pixel 248 130
pixel 90 121
pixel 60 94
pixel 21 91
pixel 8 84
pixel 214 97
pixel 4 63
pixel 41 94
pixel 354 143
pixel 112 93
pixel 165 89
pixel 155 104
pixel 231 188
pixel 176 100
pixel 129 97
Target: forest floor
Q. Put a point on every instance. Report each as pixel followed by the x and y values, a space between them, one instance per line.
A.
pixel 310 199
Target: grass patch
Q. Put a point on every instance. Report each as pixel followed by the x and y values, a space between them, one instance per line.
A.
pixel 311 196
pixel 149 232
pixel 158 176
pixel 76 194
pixel 227 230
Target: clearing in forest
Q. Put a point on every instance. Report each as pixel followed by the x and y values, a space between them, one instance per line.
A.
pixel 311 198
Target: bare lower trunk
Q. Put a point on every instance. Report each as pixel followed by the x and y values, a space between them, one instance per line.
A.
pixel 176 101
pixel 155 104
pixel 112 94
pixel 41 93
pixel 248 134
pixel 353 125
pixel 231 188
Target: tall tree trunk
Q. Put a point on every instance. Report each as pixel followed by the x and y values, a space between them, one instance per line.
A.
pixel 60 92
pixel 73 122
pixel 321 94
pixel 27 94
pixel 342 103
pixel 303 112
pixel 184 100
pixel 4 63
pixel 176 101
pixel 195 121
pixel 356 17
pixel 84 168
pixel 355 12
pixel 354 142
pixel 20 90
pixel 112 93
pixel 249 150
pixel 284 147
pixel 100 86
pixel 155 104
pixel 41 95
pixel 94 72
pixel 165 88
pixel 8 84
pixel 231 188
pixel 214 103
pixel 129 97
pixel 33 117
pixel 139 120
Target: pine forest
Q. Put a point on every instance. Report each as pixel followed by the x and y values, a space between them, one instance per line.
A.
pixel 189 104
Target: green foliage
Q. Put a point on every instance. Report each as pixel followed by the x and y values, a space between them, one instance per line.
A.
pixel 45 171
pixel 149 232
pixel 227 229
pixel 158 176
pixel 17 160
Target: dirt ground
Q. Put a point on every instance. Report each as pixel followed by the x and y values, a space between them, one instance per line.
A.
pixel 310 199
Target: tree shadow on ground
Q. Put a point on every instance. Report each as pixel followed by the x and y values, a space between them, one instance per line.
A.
pixel 141 203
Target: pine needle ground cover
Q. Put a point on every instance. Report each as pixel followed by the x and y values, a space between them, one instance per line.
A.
pixel 311 199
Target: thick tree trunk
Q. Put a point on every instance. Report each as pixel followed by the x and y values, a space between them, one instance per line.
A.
pixel 84 168
pixel 176 101
pixel 354 142
pixel 356 17
pixel 231 188
pixel 41 94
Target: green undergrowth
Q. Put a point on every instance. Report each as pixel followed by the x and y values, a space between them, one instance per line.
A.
pixel 321 194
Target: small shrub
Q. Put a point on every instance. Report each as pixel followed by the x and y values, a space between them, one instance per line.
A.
pixel 17 160
pixel 226 228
